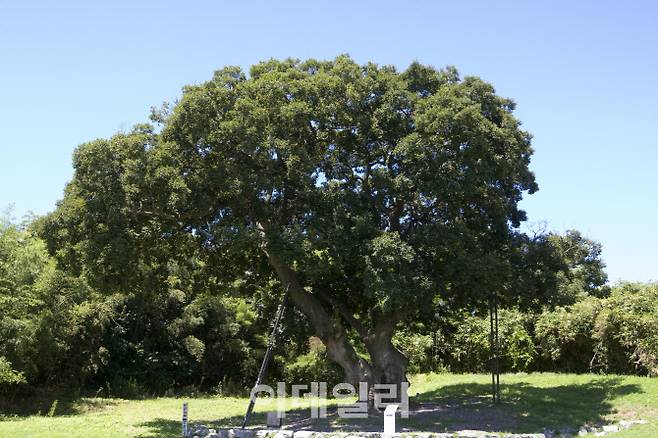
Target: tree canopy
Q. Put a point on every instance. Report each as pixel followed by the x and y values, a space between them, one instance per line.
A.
pixel 375 195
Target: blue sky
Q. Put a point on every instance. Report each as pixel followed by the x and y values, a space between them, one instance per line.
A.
pixel 584 75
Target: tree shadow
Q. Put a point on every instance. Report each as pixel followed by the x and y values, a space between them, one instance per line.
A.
pixel 161 427
pixel 52 404
pixel 524 409
pixel 295 419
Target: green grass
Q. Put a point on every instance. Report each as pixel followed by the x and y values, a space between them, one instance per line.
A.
pixel 530 403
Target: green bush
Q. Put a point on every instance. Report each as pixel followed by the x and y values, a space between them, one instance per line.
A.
pixel 564 336
pixel 8 376
pixel 11 381
pixel 169 330
pixel 471 343
pixel 313 366
pixel 618 334
pixel 417 347
pixel 626 330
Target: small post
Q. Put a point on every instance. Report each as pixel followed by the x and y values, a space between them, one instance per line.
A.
pixel 273 420
pixel 184 419
pixel 389 420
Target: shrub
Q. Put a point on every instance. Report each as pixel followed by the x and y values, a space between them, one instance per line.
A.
pixel 471 343
pixel 626 330
pixel 564 336
pixel 9 378
pixel 618 334
pixel 313 366
pixel 417 347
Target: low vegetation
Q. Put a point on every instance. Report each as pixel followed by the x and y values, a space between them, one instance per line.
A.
pixel 613 334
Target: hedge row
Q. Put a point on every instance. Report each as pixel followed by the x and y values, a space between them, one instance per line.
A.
pixel 616 334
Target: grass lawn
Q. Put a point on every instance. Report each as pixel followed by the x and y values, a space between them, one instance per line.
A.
pixel 444 402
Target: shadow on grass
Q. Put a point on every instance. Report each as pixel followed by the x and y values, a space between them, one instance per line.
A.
pixel 54 404
pixel 162 427
pixel 524 409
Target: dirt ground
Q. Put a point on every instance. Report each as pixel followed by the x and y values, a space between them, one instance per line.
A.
pixel 445 416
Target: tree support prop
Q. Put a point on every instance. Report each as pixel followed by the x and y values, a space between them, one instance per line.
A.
pixel 266 359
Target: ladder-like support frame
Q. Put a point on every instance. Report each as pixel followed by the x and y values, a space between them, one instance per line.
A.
pixel 494 344
pixel 266 359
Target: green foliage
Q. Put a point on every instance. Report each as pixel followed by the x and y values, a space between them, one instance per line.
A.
pixel 564 336
pixel 626 330
pixel 417 347
pixel 166 332
pixel 614 334
pixel 549 270
pixel 9 378
pixel 584 274
pixel 471 343
pixel 313 366
pixel 53 322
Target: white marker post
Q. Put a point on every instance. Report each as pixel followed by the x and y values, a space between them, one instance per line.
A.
pixel 389 420
pixel 184 419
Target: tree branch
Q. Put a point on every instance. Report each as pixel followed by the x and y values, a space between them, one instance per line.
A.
pixel 345 313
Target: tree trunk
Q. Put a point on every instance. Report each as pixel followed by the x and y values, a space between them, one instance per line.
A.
pixel 327 328
pixel 388 363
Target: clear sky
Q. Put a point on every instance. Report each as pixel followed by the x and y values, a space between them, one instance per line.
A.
pixel 584 75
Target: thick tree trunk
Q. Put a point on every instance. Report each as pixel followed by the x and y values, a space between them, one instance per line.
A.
pixel 356 369
pixel 388 363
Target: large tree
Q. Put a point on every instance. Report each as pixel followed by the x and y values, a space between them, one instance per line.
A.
pixel 371 194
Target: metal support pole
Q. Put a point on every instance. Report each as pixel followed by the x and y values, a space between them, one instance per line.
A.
pixel 184 422
pixel 266 358
pixel 491 349
pixel 494 345
pixel 497 356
